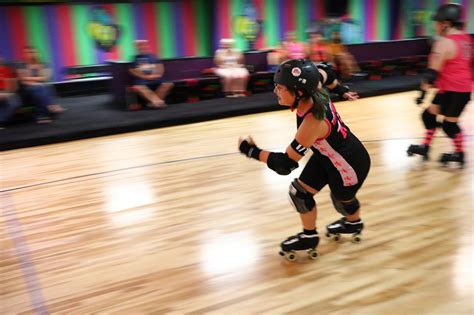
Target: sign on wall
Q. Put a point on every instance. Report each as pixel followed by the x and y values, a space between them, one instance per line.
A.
pixel 103 29
pixel 246 25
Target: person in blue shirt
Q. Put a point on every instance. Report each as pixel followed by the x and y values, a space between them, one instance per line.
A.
pixel 148 72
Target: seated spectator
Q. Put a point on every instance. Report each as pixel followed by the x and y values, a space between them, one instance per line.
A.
pixel 231 69
pixel 9 102
pixel 33 75
pixel 148 71
pixel 274 58
pixel 293 48
pixel 343 60
pixel 318 50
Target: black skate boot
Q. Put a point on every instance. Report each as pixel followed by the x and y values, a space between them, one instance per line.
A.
pixel 300 241
pixel 457 157
pixel 342 226
pixel 418 149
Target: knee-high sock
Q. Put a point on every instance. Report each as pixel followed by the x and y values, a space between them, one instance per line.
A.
pixel 455 133
pixel 429 121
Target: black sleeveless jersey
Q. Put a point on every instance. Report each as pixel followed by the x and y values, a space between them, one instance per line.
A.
pixel 340 146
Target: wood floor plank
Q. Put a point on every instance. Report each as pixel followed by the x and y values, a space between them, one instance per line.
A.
pixel 176 221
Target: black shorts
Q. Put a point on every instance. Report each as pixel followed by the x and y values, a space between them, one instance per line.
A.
pixel 319 172
pixel 151 84
pixel 452 103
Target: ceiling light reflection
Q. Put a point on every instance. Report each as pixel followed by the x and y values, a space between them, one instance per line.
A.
pixel 463 269
pixel 224 253
pixel 126 196
pixel 130 217
pixel 394 154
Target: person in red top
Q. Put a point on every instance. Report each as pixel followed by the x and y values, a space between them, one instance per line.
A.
pixel 449 69
pixel 9 102
pixel 318 50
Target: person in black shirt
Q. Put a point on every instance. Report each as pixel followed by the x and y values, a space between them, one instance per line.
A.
pixel 339 159
pixel 148 71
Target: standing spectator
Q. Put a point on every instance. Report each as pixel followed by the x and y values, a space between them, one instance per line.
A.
pixel 231 68
pixel 33 75
pixel 148 71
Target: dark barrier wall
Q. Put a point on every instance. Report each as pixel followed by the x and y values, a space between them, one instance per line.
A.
pixel 390 49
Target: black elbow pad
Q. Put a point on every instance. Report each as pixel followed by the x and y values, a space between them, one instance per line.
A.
pixel 281 163
pixel 331 75
pixel 430 76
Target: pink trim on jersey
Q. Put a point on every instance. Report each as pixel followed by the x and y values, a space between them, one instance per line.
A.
pixel 329 129
pixel 302 114
pixel 325 120
pixel 348 175
pixel 455 75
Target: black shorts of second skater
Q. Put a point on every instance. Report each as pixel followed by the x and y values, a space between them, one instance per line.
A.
pixel 319 172
pixel 452 103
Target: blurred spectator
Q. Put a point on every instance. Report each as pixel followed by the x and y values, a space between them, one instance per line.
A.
pixel 33 75
pixel 9 101
pixel 275 57
pixel 343 60
pixel 294 49
pixel 231 68
pixel 148 71
pixel 318 50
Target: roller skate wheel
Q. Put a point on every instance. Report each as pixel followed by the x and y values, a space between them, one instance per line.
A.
pixel 281 253
pixel 356 239
pixel 336 237
pixel 409 153
pixel 328 234
pixel 290 256
pixel 313 254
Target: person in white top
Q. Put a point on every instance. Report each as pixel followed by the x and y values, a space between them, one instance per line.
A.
pixel 231 69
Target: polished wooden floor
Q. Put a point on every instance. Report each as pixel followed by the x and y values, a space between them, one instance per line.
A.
pixel 175 221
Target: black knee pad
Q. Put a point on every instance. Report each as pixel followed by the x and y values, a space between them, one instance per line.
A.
pixel 429 119
pixel 451 128
pixel 300 198
pixel 345 208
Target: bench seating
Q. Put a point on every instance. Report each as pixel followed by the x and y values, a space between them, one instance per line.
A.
pixel 194 79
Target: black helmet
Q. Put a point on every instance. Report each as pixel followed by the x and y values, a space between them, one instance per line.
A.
pixel 448 12
pixel 298 74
